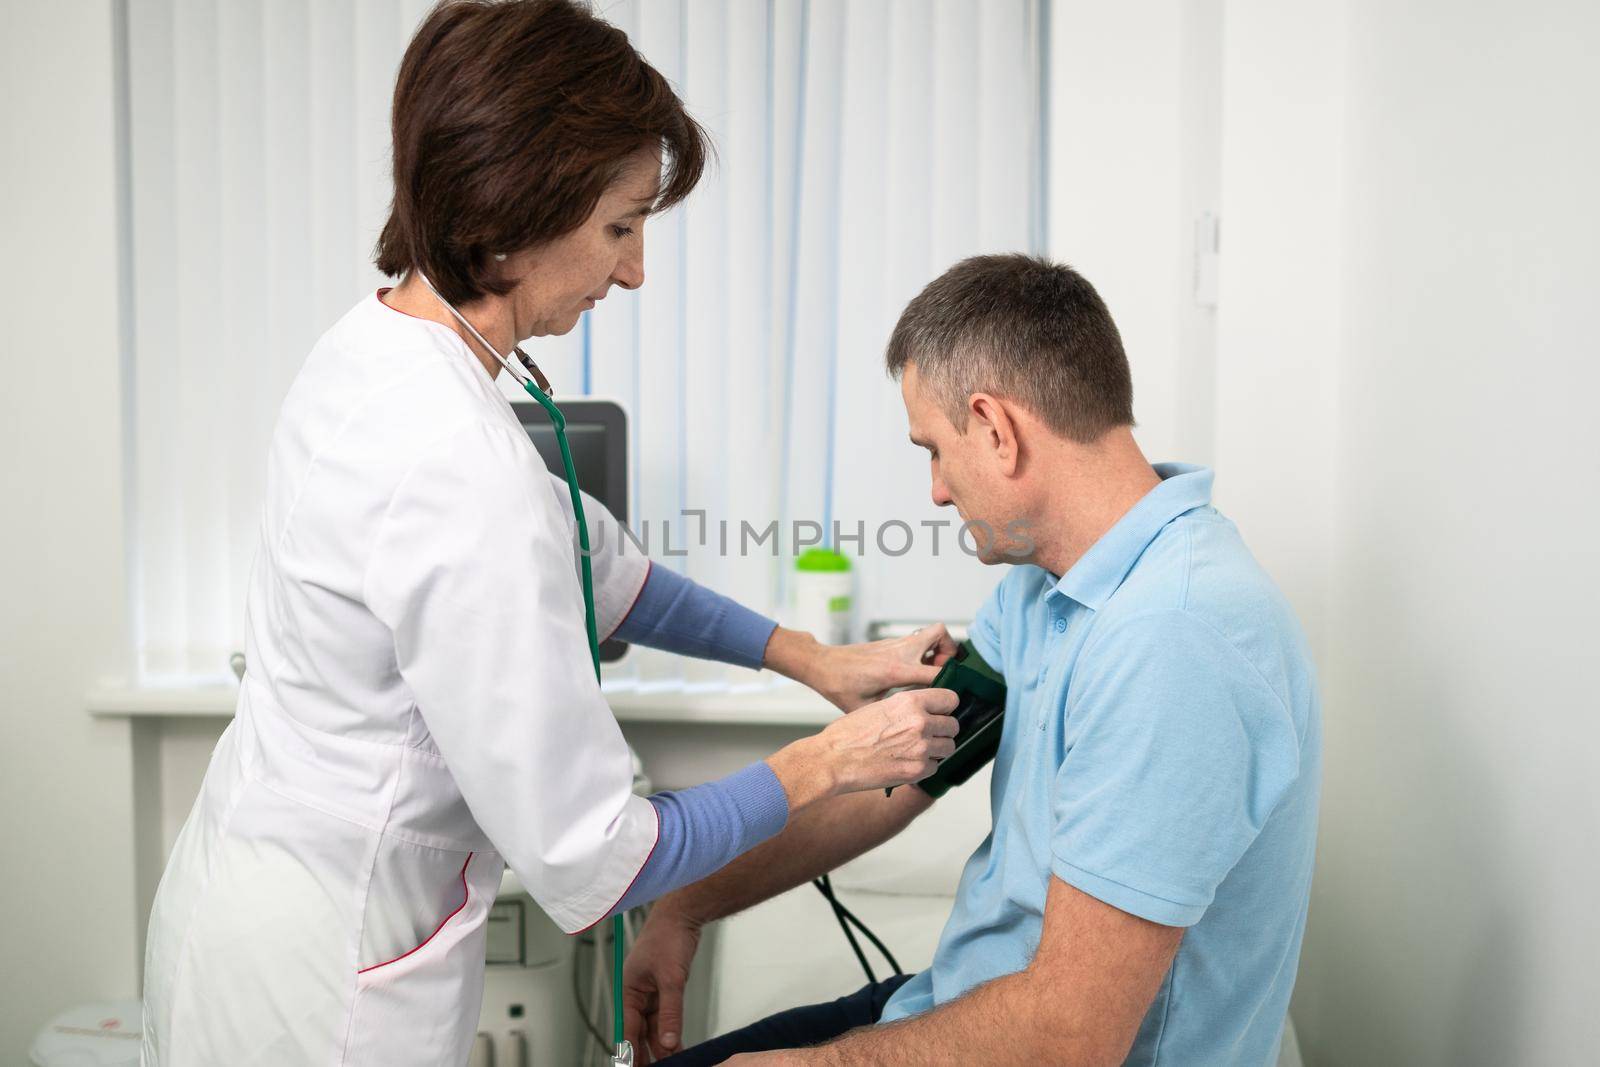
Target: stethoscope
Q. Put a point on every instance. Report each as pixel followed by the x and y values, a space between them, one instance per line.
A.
pixel 527 374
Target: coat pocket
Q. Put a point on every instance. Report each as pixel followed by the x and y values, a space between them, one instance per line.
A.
pixel 419 1004
pixel 414 894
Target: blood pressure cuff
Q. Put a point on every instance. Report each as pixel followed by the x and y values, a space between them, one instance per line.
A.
pixel 980 711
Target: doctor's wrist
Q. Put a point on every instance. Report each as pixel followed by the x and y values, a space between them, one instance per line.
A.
pixel 794 654
pixel 805 771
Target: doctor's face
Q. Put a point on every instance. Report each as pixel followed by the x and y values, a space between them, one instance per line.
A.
pixel 563 279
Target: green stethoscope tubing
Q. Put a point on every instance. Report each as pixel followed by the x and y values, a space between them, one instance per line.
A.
pixel 559 421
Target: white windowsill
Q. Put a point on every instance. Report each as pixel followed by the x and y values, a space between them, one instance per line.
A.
pixel 785 705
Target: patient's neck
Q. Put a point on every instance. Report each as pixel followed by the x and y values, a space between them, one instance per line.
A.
pixel 1082 490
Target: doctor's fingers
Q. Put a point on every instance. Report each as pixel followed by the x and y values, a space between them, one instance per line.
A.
pixel 924 749
pixel 928 701
pixel 907 713
pixel 936 643
pixel 925 758
pixel 920 655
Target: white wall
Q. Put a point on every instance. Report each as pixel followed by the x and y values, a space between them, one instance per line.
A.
pixel 68 930
pixel 1407 369
pixel 1400 411
pixel 1462 854
pixel 1116 193
pixel 1278 324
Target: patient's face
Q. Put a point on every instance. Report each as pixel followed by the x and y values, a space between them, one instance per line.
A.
pixel 958 464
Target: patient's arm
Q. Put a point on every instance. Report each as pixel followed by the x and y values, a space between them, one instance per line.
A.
pixel 817 840
pixel 1078 1004
pixel 822 837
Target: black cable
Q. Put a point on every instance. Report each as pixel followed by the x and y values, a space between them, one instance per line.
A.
pixel 825 887
pixel 577 996
pixel 881 947
pixel 847 918
pixel 844 912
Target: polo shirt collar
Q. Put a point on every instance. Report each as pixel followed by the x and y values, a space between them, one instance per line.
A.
pixel 1099 572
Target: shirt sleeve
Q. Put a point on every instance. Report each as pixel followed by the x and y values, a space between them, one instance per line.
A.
pixel 676 614
pixel 1177 752
pixel 473 570
pixel 618 566
pixel 985 630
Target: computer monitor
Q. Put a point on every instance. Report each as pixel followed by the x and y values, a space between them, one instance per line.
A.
pixel 597 435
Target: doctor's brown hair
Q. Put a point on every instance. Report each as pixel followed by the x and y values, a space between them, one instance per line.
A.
pixel 1022 328
pixel 510 119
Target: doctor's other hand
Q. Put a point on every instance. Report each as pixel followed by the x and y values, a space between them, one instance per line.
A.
pixel 894 741
pixel 653 980
pixel 852 676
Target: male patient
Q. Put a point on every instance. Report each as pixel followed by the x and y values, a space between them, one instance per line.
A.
pixel 1142 895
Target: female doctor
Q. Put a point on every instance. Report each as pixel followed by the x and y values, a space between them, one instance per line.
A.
pixel 420 707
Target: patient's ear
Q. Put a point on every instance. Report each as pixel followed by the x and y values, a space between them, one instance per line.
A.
pixel 990 419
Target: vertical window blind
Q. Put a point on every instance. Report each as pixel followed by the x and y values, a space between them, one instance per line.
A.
pixel 863 147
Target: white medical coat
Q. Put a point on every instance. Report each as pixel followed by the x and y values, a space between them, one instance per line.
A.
pixel 419 709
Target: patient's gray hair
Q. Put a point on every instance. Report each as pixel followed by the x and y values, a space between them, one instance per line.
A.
pixel 1024 329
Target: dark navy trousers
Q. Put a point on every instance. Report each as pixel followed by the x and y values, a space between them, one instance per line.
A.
pixel 795 1028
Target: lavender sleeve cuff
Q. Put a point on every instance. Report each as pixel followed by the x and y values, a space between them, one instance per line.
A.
pixel 705 827
pixel 675 614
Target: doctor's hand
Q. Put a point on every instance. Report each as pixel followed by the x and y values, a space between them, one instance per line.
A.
pixel 653 979
pixel 852 676
pixel 894 741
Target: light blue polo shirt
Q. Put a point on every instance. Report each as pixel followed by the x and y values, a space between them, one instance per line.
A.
pixel 1162 753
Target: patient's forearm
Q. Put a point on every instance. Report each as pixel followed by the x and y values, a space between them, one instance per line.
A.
pixel 823 836
pixel 1010 1020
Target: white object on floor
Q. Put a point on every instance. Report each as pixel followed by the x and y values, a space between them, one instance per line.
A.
pixel 94 1035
